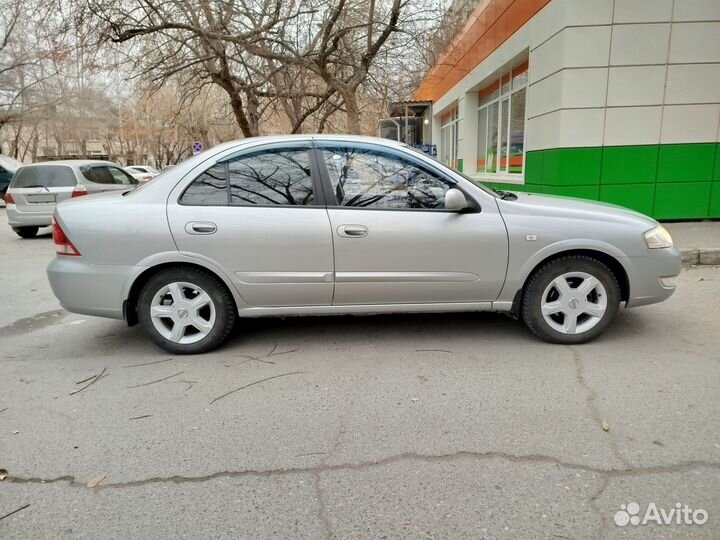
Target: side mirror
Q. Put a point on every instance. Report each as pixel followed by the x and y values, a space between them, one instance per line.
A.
pixel 455 200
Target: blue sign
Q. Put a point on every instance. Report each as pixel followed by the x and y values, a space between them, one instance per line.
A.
pixel 429 149
pixel 197 147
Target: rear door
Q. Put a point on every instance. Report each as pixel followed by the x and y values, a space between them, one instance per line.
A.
pixel 258 215
pixel 106 177
pixel 37 188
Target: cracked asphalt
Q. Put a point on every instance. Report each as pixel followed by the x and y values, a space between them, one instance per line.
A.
pixel 422 426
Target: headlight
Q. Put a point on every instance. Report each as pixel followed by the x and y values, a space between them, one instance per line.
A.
pixel 658 237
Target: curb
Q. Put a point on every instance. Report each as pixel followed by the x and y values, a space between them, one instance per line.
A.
pixel 709 256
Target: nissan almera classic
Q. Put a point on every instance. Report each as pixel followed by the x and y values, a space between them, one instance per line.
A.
pixel 319 225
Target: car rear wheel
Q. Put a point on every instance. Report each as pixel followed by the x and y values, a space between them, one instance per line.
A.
pixel 26 232
pixel 186 310
pixel 572 299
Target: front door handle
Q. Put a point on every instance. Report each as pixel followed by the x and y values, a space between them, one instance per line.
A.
pixel 352 231
pixel 200 227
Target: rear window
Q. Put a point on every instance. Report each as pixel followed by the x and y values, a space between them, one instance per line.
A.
pixel 105 174
pixel 50 176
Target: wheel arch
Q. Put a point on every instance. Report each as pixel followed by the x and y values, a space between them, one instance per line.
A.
pixel 130 303
pixel 612 262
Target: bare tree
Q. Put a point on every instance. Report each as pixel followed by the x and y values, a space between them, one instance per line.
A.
pixel 253 49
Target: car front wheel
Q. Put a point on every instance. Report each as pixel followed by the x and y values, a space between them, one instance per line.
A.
pixel 572 299
pixel 186 310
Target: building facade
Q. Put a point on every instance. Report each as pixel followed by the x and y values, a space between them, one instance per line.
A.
pixel 610 100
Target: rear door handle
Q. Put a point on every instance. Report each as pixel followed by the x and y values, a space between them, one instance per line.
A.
pixel 352 231
pixel 200 227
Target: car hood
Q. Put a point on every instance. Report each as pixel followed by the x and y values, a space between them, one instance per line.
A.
pixel 572 207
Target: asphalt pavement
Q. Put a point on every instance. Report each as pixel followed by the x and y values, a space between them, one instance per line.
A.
pixel 422 426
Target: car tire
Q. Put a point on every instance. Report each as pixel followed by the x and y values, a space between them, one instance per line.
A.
pixel 195 300
pixel 570 300
pixel 26 232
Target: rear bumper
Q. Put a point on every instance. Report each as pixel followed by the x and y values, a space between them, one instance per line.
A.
pixel 28 219
pixel 89 289
pixel 647 273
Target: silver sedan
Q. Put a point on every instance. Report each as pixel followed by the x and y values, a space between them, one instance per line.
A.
pixel 318 225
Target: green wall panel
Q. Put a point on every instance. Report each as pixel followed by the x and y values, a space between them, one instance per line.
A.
pixel 629 164
pixel 682 200
pixel 638 197
pixel 686 162
pixel 714 209
pixel 533 167
pixel 667 181
pixel 571 166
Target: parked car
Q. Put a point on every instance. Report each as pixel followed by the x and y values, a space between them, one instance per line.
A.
pixel 142 173
pixel 8 166
pixel 309 225
pixel 36 189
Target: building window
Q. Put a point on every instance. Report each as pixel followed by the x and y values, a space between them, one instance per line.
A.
pixel 501 124
pixel 449 132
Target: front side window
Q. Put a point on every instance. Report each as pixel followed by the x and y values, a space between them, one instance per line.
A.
pixel 270 177
pixel 501 124
pixel 373 179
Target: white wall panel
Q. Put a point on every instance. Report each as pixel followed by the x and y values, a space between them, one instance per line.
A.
pixel 693 83
pixel 581 127
pixel 636 85
pixel 566 128
pixel 572 47
pixel 695 42
pixel 632 125
pixel 634 11
pixel 638 44
pixel 587 12
pixel 567 89
pixel 690 123
pixel 696 10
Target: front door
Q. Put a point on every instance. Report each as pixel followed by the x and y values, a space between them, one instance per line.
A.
pixel 394 241
pixel 256 215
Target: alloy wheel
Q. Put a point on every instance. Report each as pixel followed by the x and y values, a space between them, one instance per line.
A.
pixel 182 312
pixel 574 302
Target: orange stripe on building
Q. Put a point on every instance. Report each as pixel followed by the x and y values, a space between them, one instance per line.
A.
pixel 492 22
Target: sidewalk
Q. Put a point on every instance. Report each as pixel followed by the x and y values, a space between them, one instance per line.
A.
pixel 698 241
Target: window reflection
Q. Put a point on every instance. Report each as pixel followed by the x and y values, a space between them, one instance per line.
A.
pixel 370 179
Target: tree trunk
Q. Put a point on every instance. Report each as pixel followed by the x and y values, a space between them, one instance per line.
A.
pixel 352 111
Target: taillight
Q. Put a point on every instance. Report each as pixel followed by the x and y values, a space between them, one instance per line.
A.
pixel 79 191
pixel 9 199
pixel 63 246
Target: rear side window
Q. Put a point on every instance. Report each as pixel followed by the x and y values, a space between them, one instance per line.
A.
pixel 208 189
pixel 277 176
pixel 50 176
pixel 270 177
pixel 105 174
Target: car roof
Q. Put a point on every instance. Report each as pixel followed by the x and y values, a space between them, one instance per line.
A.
pixel 273 139
pixel 71 163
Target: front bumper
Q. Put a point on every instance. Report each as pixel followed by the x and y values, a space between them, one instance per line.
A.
pixel 646 276
pixel 89 289
pixel 17 218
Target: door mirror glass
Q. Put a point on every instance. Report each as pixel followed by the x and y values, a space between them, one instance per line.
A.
pixel 455 200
